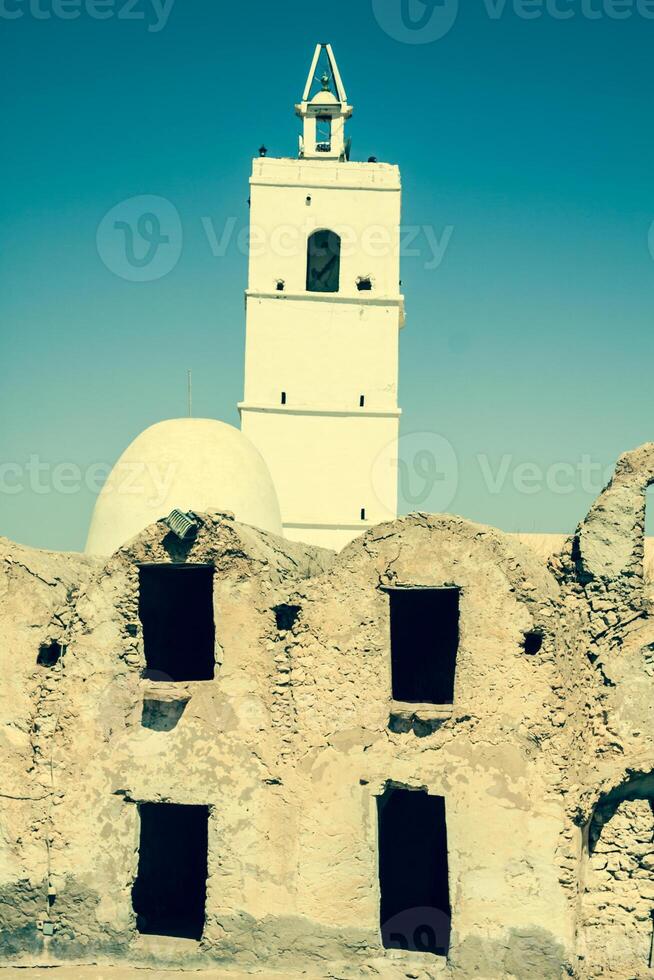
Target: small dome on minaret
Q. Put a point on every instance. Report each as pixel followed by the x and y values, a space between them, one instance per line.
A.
pixel 324 98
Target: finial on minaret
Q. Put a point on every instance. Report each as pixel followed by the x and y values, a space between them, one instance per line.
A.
pixel 324 112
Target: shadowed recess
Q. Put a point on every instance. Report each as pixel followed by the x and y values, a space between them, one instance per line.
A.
pixel 176 611
pixel 162 716
pixel 413 872
pixel 49 654
pixel 533 643
pixel 286 616
pixel 424 644
pixel 169 894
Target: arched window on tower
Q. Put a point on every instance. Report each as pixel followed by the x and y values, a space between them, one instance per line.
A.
pixel 324 262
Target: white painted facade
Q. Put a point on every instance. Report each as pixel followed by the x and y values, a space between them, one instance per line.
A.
pixel 321 368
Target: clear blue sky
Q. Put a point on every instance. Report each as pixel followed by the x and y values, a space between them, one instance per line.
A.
pixel 532 139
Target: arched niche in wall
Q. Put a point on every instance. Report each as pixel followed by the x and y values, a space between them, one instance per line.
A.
pixel 618 880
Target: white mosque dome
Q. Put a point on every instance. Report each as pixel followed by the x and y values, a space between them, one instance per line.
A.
pixel 188 464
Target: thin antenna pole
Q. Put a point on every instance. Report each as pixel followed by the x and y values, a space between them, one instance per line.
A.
pixel 190 394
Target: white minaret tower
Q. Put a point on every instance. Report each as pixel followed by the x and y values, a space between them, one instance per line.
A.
pixel 324 311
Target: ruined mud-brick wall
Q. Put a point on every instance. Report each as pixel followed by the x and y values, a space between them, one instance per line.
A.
pixel 602 576
pixel 616 924
pixel 37 592
pixel 605 558
pixel 297 737
pixel 109 755
pixel 508 757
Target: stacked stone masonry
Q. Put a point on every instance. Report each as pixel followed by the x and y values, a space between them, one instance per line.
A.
pixel 545 758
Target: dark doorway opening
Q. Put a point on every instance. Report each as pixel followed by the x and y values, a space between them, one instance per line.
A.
pixel 424 644
pixel 176 611
pixel 413 872
pixel 170 891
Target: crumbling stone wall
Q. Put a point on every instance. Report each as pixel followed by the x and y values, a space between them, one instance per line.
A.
pixel 500 757
pixel 224 751
pixel 616 924
pixel 602 575
pixel 605 558
pixel 297 736
pixel 37 592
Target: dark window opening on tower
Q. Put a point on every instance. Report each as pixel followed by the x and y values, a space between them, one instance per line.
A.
pixel 364 284
pixel 324 134
pixel 280 286
pixel 424 644
pixel 362 401
pixel 363 513
pixel 176 611
pixel 49 654
pixel 413 872
pixel 324 262
pixel 283 398
pixel 309 200
pixel 169 894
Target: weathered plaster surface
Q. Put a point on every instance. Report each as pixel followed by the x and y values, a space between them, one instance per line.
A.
pixel 37 595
